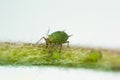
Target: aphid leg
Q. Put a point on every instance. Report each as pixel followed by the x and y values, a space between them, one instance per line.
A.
pixel 47 42
pixel 60 48
pixel 46 46
pixel 39 40
pixel 51 49
pixel 67 43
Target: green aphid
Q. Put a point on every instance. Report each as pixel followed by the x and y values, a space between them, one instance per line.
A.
pixel 94 56
pixel 56 38
pixel 59 37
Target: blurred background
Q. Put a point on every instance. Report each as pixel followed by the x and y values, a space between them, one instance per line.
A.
pixel 94 23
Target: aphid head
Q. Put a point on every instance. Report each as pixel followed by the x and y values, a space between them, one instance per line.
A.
pixel 70 35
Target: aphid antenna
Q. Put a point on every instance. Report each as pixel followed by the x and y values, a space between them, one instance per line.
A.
pixel 70 35
pixel 39 40
pixel 43 37
pixel 48 32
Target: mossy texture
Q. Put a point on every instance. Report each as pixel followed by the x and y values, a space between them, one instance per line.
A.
pixel 29 54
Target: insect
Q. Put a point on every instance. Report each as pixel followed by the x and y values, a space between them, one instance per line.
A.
pixel 94 56
pixel 56 38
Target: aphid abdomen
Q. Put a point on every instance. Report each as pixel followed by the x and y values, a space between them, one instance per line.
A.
pixel 58 37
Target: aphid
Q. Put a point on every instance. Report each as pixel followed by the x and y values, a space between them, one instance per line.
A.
pixel 56 38
pixel 94 56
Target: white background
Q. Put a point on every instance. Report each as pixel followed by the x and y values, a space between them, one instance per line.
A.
pixel 92 22
pixel 53 73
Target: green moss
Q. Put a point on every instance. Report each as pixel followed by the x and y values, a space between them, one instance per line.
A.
pixel 94 56
pixel 30 54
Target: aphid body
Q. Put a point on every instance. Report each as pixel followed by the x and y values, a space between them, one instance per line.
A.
pixel 56 38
